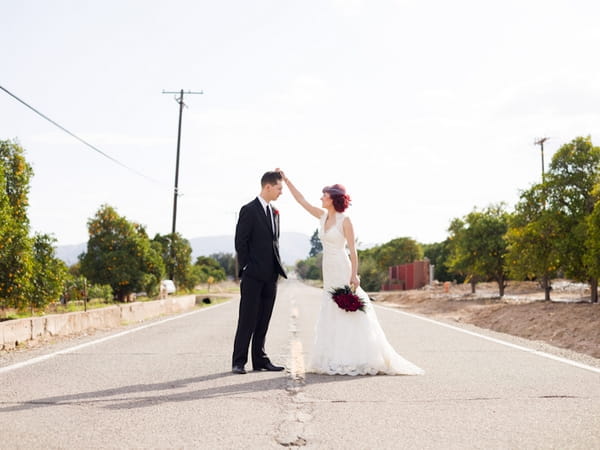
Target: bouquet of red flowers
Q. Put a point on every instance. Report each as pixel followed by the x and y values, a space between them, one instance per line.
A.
pixel 346 299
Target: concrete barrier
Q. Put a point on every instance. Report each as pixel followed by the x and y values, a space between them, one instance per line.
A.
pixel 16 332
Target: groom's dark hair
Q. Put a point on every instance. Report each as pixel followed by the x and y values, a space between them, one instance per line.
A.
pixel 271 178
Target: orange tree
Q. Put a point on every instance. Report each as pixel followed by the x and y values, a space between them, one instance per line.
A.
pixel 477 245
pixel 574 171
pixel 120 254
pixel 532 251
pixel 49 273
pixel 16 262
pixel 176 253
pixel 592 254
pixel 207 267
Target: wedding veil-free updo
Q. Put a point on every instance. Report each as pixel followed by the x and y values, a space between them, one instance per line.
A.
pixel 338 195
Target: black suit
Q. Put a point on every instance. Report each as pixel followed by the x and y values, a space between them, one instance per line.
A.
pixel 260 265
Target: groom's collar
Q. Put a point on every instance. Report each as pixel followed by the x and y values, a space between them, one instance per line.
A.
pixel 263 202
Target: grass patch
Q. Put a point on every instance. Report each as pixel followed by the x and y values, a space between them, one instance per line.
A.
pixel 213 293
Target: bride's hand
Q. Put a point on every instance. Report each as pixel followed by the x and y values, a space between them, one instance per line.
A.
pixel 277 169
pixel 355 281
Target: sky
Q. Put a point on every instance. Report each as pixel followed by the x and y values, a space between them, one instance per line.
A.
pixel 423 109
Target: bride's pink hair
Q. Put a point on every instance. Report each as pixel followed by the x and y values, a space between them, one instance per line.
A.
pixel 338 195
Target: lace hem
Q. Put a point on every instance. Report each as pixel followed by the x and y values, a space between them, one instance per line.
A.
pixel 363 370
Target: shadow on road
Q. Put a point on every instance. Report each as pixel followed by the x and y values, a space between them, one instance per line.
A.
pixel 126 397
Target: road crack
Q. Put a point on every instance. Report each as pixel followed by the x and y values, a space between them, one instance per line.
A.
pixel 297 411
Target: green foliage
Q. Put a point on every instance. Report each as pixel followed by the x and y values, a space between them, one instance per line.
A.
pixel 574 171
pixel 176 253
pixel 227 262
pixel 209 267
pixel 74 288
pixel 592 255
pixel 316 246
pixel 310 268
pixel 374 263
pixel 119 253
pixel 554 224
pixel 16 248
pixel 532 251
pixel 17 174
pixel 75 269
pixel 371 275
pixel 477 245
pixel 438 254
pixel 100 292
pixel 397 251
pixel 49 272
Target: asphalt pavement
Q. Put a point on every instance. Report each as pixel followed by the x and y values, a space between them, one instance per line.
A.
pixel 167 384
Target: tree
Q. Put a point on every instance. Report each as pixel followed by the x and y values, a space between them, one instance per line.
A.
pixel 592 254
pixel 75 288
pixel 16 259
pixel 49 272
pixel 371 275
pixel 176 253
pixel 478 246
pixel 310 268
pixel 316 245
pixel 438 254
pixel 401 250
pixel 119 253
pixel 574 171
pixel 227 262
pixel 374 263
pixel 532 251
pixel 209 267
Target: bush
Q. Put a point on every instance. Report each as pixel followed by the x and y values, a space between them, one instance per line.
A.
pixel 310 268
pixel 102 292
pixel 371 275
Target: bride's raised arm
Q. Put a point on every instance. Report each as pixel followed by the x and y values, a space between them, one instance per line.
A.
pixel 313 210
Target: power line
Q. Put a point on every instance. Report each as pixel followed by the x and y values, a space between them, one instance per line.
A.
pixel 78 138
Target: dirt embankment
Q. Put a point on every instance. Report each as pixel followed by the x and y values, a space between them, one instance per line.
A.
pixel 569 321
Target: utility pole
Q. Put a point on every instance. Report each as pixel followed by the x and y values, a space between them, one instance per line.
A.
pixel 540 142
pixel 175 192
pixel 546 283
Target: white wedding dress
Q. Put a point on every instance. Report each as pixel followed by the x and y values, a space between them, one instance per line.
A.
pixel 349 343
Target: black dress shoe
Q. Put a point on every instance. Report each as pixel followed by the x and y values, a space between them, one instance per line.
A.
pixel 239 370
pixel 269 367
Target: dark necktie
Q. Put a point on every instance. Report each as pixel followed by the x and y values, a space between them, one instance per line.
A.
pixel 270 218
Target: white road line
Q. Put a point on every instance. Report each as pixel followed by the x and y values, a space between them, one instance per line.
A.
pixel 498 341
pixel 98 341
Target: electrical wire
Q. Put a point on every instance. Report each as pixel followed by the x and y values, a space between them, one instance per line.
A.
pixel 83 141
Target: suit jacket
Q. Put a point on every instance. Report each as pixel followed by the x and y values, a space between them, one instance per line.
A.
pixel 256 246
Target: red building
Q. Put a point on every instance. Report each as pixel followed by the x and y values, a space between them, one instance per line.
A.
pixel 414 275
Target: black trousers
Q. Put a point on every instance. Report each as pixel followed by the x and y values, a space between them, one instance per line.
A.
pixel 256 306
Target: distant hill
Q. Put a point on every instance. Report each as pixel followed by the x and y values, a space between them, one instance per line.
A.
pixel 294 246
pixel 69 253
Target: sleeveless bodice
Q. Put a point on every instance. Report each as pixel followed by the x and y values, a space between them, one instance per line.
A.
pixel 336 263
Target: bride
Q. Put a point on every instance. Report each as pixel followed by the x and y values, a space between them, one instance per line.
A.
pixel 346 343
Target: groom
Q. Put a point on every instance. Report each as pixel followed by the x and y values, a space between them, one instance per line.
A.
pixel 257 247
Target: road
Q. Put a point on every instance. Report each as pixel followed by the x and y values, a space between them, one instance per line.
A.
pixel 167 384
